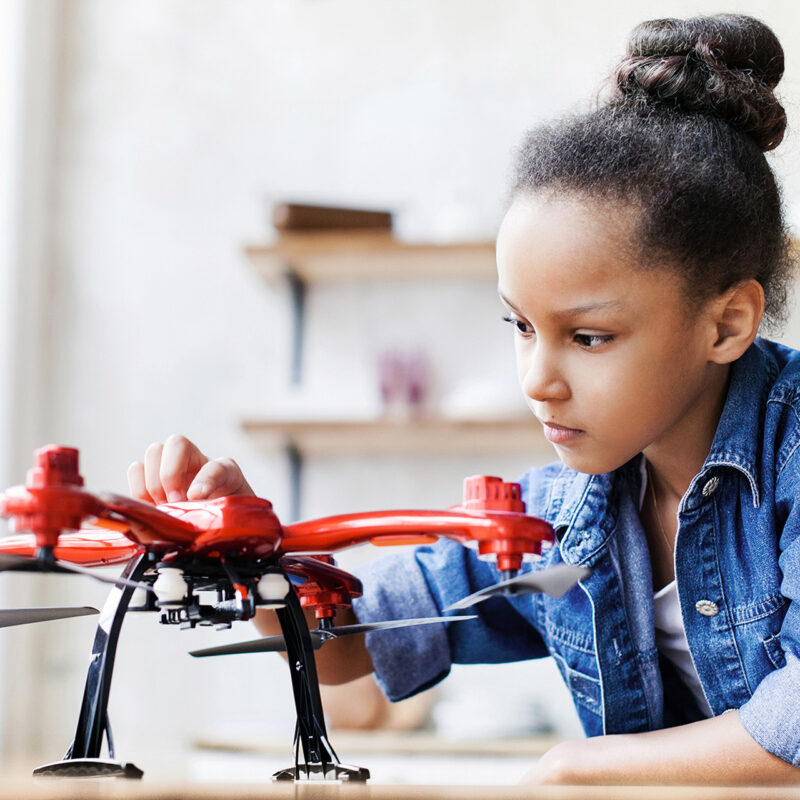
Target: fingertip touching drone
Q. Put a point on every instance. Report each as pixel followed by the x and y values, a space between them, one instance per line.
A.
pixel 237 548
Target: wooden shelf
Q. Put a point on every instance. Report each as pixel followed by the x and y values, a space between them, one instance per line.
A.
pixel 422 436
pixel 327 256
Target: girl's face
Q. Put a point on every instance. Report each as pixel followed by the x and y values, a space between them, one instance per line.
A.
pixel 608 358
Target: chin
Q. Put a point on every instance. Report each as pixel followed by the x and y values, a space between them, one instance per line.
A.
pixel 588 464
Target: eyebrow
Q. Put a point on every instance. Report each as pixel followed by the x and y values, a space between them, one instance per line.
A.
pixel 576 311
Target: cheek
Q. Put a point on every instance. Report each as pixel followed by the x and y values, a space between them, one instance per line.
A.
pixel 521 358
pixel 608 383
pixel 649 391
pixel 621 394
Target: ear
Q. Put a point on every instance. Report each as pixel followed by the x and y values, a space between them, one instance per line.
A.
pixel 735 317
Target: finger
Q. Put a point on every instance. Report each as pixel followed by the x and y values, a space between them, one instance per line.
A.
pixel 181 460
pixel 152 470
pixel 136 484
pixel 221 477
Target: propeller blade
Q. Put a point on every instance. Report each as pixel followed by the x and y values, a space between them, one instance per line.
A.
pixel 269 644
pixel 554 581
pixel 27 564
pixel 22 616
pixel 349 630
pixel 272 644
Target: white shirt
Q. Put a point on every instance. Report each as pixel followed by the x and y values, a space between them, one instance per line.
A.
pixel 670 634
pixel 672 644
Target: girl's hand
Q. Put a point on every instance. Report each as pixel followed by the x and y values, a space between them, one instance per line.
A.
pixel 177 470
pixel 557 765
pixel 712 752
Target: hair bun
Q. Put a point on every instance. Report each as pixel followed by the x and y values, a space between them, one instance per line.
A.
pixel 727 65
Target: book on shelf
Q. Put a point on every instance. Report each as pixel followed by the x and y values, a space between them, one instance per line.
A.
pixel 290 217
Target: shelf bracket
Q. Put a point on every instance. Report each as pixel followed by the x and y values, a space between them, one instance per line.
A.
pixel 297 291
pixel 295 458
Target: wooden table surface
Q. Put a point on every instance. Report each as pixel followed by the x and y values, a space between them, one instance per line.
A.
pixel 57 789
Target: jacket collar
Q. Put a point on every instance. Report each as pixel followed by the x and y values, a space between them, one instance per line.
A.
pixel 585 516
pixel 739 432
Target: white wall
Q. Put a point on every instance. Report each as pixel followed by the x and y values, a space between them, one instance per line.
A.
pixel 28 106
pixel 178 122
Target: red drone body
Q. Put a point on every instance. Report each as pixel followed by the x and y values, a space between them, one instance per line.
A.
pixel 237 547
pixel 53 505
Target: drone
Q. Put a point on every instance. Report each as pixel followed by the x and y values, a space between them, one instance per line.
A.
pixel 236 550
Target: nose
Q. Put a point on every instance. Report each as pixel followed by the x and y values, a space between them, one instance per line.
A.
pixel 541 375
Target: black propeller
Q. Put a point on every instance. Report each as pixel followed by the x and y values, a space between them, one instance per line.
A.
pixel 554 581
pixel 22 616
pixel 318 636
pixel 28 564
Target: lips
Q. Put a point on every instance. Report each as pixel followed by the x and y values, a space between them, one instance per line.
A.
pixel 559 434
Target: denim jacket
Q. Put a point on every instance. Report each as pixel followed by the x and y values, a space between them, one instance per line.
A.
pixel 737 567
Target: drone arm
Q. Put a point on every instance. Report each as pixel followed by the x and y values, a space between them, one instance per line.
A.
pixel 86 548
pixel 147 525
pixel 49 512
pixel 503 533
pixel 376 527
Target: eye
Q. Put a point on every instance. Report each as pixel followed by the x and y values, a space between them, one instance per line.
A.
pixel 521 327
pixel 591 341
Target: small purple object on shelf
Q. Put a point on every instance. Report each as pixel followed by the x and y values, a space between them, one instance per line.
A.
pixel 403 377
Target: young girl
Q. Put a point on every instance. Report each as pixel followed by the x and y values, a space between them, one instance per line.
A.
pixel 643 245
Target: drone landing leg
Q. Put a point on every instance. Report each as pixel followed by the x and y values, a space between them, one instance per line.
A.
pixel 319 761
pixel 83 758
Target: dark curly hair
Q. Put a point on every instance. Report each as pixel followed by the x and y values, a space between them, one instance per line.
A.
pixel 682 140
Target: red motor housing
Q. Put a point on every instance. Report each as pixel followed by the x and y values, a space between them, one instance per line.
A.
pixel 52 500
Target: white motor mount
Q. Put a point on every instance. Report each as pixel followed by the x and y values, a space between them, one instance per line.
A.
pixel 273 588
pixel 170 587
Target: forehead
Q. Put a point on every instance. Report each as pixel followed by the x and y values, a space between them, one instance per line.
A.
pixel 569 252
pixel 560 233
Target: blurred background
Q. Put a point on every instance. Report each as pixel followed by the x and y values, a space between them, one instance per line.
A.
pixel 145 289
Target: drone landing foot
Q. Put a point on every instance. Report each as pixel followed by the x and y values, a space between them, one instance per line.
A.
pixel 322 772
pixel 89 768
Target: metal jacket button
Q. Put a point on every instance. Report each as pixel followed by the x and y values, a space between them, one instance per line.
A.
pixel 711 486
pixel 708 608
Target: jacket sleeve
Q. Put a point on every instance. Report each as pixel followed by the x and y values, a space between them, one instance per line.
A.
pixel 772 715
pixel 421 583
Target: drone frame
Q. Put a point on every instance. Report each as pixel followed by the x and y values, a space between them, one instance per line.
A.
pixel 230 544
